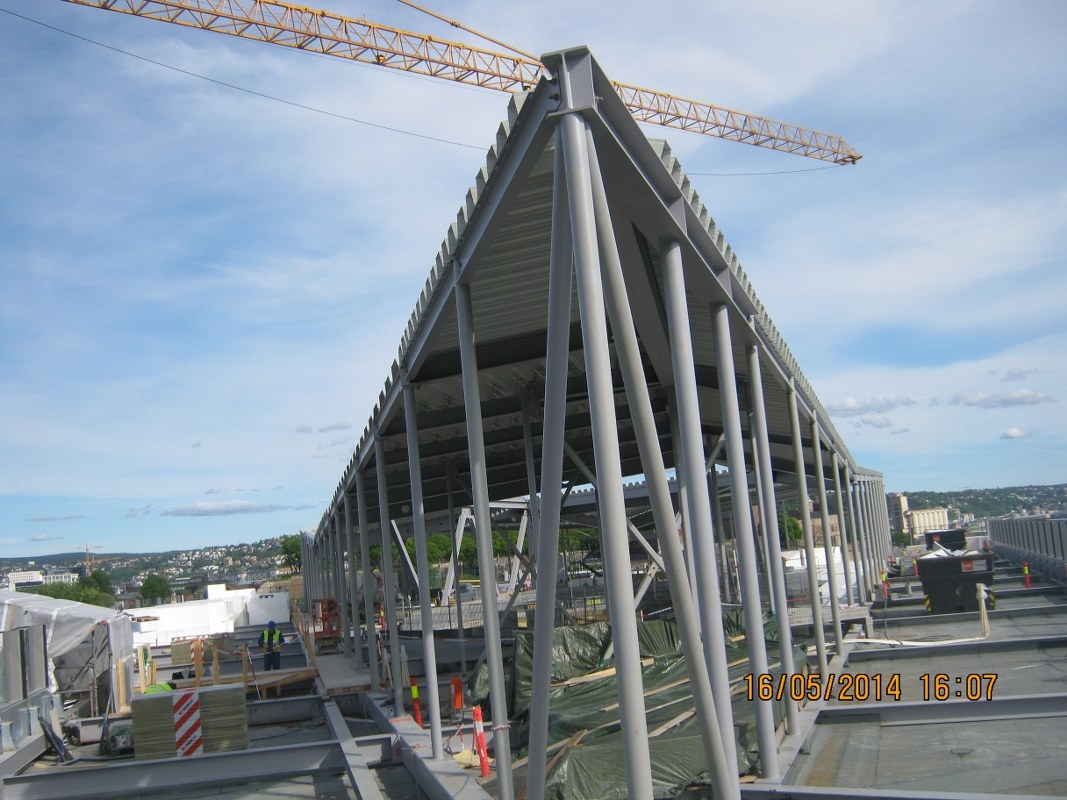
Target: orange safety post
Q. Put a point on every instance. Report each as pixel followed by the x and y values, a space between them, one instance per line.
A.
pixel 479 741
pixel 415 702
pixel 457 694
pixel 1026 574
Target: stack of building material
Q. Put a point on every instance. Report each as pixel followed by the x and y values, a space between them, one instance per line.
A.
pixel 212 719
pixel 181 650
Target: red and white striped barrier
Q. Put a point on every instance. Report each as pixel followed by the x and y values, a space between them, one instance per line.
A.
pixel 479 741
pixel 188 738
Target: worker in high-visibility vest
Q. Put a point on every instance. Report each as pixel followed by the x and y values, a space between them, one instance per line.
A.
pixel 271 640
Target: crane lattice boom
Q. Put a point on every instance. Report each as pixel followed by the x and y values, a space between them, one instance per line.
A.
pixel 332 34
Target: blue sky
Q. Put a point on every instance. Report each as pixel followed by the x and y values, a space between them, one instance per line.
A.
pixel 201 290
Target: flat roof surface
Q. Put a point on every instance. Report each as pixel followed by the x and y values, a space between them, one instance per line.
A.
pixel 1009 739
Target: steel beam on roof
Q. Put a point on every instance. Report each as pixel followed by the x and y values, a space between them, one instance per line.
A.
pixel 925 712
pixel 355 764
pixel 173 774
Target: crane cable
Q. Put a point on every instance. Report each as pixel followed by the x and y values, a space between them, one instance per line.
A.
pixel 235 87
pixel 457 24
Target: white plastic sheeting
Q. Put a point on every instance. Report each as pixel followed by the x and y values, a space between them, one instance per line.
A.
pixel 222 612
pixel 86 644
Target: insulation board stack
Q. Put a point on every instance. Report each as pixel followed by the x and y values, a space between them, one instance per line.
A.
pixel 181 650
pixel 166 720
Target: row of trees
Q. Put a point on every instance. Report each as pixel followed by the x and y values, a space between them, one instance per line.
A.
pixel 439 547
pixel 96 589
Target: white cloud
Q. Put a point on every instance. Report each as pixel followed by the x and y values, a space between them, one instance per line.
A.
pixel 1014 433
pixel 222 509
pixel 852 407
pixel 1018 374
pixel 335 426
pixel 876 421
pixel 1020 397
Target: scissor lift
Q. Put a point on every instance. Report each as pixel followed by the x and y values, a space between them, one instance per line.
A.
pixel 326 614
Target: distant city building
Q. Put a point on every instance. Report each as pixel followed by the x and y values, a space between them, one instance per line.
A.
pixel 816 529
pixel 38 578
pixel 897 504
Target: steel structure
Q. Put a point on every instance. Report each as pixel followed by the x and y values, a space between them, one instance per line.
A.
pixel 584 273
pixel 585 320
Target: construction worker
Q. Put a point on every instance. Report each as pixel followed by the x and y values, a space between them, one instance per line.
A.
pixel 154 688
pixel 271 640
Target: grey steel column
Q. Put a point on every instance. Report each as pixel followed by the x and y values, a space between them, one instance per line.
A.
pixel 326 560
pixel 877 502
pixel 762 443
pixel 611 502
pixel 353 584
pixel 531 476
pixel 309 570
pixel 388 585
pixel 313 573
pixel 329 585
pixel 763 554
pixel 418 520
pixel 324 563
pixel 454 550
pixel 841 527
pixel 870 582
pixel 862 576
pixel 872 539
pixel 729 591
pixel 827 539
pixel 743 534
pixel 702 536
pixel 368 579
pixel 809 546
pixel 872 507
pixel 303 560
pixel 472 402
pixel 883 515
pixel 683 496
pixel 723 773
pixel 561 267
pixel 342 587
pixel 874 543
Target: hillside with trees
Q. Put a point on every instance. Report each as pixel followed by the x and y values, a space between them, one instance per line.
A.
pixel 1010 501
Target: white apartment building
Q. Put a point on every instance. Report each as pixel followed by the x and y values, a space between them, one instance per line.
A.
pixel 34 577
